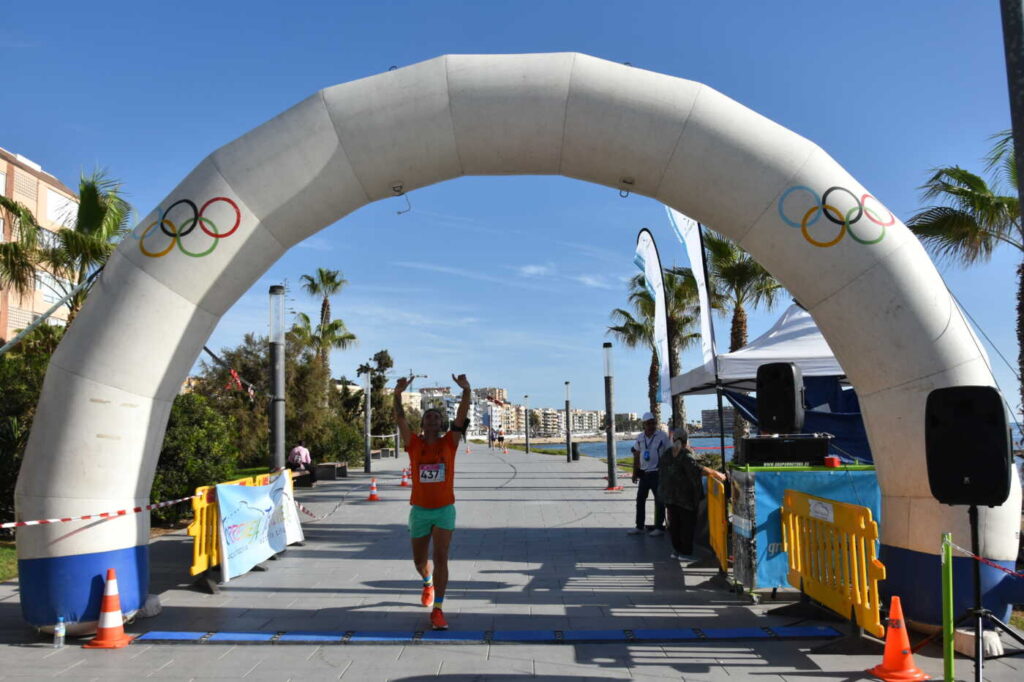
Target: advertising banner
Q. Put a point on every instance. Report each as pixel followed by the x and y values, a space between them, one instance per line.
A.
pixel 256 522
pixel 646 258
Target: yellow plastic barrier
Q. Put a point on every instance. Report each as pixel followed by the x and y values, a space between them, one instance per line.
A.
pixel 718 522
pixel 206 521
pixel 831 550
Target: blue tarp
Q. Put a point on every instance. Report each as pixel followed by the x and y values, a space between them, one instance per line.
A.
pixel 841 418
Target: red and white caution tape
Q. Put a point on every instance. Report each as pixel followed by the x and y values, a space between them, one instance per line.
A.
pixel 985 561
pixel 103 515
pixel 306 511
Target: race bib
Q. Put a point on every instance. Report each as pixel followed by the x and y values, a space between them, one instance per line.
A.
pixel 647 455
pixel 432 473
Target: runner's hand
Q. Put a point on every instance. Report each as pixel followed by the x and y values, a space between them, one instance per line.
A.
pixel 402 384
pixel 461 381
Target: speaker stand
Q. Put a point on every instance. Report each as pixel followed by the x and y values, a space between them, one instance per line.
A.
pixel 979 614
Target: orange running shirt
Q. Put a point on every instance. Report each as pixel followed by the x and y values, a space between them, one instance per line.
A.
pixel 433 470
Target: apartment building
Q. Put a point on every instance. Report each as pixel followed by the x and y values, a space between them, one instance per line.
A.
pixel 54 205
pixel 709 420
pixel 495 393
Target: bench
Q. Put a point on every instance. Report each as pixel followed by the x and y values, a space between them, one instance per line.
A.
pixel 330 471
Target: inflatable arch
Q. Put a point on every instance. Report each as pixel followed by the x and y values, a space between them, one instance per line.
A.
pixel 863 276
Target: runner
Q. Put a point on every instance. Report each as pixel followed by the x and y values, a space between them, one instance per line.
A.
pixel 432 516
pixel 501 439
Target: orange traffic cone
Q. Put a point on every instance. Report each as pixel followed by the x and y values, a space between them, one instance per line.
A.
pixel 505 451
pixel 405 479
pixel 373 491
pixel 897 661
pixel 467 447
pixel 110 630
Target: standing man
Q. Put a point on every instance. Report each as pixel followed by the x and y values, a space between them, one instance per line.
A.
pixel 647 451
pixel 432 514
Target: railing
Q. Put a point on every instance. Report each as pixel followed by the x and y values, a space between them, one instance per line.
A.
pixel 206 522
pixel 832 559
pixel 718 521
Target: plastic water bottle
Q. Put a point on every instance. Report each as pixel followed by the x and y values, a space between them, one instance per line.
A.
pixel 58 633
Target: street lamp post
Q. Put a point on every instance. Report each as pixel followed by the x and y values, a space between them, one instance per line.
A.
pixel 368 370
pixel 568 426
pixel 277 376
pixel 526 406
pixel 610 417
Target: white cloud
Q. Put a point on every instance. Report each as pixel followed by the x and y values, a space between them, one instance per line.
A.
pixel 316 244
pixel 462 272
pixel 535 270
pixel 594 282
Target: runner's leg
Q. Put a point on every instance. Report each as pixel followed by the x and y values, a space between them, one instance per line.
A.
pixel 420 554
pixel 442 542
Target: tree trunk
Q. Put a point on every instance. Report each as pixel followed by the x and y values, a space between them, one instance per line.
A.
pixel 678 406
pixel 738 339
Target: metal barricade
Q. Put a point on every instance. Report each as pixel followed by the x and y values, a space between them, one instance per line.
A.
pixel 718 521
pixel 832 556
pixel 206 521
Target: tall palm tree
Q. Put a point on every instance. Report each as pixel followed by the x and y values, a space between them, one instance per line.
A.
pixel 74 254
pixel 321 339
pixel 971 218
pixel 737 281
pixel 325 283
pixel 636 331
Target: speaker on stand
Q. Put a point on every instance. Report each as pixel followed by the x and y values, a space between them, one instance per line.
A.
pixel 967 450
pixel 780 398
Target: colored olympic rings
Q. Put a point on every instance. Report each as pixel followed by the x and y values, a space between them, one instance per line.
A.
pixel 855 209
pixel 177 233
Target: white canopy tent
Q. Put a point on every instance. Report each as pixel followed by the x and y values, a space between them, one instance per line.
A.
pixel 793 338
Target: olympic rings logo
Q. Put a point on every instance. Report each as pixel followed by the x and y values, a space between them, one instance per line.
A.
pixel 846 210
pixel 188 216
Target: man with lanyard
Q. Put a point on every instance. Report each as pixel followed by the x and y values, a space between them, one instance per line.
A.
pixel 432 514
pixel 647 451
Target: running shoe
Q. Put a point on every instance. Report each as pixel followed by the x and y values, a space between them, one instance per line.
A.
pixel 656 533
pixel 437 620
pixel 634 531
pixel 427 598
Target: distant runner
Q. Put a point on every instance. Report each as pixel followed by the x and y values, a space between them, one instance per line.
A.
pixel 432 515
pixel 501 439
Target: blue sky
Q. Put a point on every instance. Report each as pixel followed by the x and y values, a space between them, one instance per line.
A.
pixel 507 279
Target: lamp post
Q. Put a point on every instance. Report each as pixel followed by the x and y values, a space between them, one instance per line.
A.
pixel 568 426
pixel 610 417
pixel 368 370
pixel 526 406
pixel 277 376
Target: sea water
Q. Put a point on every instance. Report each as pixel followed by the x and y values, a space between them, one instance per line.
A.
pixel 623 447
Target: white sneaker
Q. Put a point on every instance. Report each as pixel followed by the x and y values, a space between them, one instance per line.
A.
pixel 673 555
pixel 656 533
pixel 634 531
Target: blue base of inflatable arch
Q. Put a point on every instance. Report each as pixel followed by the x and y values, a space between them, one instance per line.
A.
pixel 915 577
pixel 72 586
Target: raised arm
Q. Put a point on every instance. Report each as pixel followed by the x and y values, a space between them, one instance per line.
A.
pixel 463 411
pixel 403 425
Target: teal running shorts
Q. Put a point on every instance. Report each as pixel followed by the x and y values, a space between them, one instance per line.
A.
pixel 423 520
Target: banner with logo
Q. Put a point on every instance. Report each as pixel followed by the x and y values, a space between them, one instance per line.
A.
pixel 647 259
pixel 256 522
pixel 688 232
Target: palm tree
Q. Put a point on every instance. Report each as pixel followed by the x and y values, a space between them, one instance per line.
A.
pixel 74 253
pixel 325 283
pixel 972 218
pixel 737 280
pixel 322 339
pixel 636 331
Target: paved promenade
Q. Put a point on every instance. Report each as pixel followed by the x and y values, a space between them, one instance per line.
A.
pixel 539 547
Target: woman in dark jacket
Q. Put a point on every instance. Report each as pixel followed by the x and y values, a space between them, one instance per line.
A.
pixel 681 488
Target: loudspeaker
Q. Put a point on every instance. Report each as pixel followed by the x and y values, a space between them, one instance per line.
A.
pixel 967 446
pixel 802 449
pixel 780 398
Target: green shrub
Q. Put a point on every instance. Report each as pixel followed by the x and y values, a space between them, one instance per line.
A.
pixel 342 443
pixel 198 450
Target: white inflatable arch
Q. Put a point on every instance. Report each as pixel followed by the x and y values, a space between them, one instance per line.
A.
pixel 864 277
